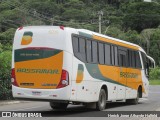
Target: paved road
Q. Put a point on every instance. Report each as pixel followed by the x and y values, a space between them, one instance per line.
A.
pixel 150 104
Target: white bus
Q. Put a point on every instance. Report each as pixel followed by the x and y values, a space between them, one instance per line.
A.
pixel 70 66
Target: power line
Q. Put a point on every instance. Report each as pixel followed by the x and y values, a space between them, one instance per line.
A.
pixel 36 14
pixel 29 12
pixel 9 23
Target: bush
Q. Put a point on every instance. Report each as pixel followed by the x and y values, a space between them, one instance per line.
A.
pixel 5 64
pixel 5 90
pixel 155 73
pixel 5 72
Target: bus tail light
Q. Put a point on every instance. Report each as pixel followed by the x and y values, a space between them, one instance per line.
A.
pixel 13 78
pixel 61 27
pixel 64 81
pixel 20 28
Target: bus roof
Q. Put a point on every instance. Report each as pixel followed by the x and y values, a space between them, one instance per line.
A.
pixel 104 37
pixel 111 38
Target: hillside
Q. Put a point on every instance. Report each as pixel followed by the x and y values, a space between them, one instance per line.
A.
pixel 130 20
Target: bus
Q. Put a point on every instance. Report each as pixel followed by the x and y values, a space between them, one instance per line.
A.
pixel 65 65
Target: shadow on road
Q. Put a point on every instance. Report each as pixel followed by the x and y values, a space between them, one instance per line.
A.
pixel 119 104
pixel 81 111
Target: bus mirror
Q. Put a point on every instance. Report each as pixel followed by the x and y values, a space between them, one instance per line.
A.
pixel 147 70
pixel 151 62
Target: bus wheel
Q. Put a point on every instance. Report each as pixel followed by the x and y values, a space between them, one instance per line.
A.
pixel 101 104
pixel 58 105
pixel 134 101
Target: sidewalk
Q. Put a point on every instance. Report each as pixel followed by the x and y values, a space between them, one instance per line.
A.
pixel 8 102
pixel 158 109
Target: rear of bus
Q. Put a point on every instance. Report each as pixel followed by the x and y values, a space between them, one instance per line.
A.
pixel 39 68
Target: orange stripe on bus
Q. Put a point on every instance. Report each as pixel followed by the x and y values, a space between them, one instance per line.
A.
pixel 115 42
pixel 54 62
pixel 113 73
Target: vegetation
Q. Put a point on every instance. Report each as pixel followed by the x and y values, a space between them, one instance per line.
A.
pixel 131 20
pixel 154 82
pixel 5 68
pixel 155 73
pixel 154 76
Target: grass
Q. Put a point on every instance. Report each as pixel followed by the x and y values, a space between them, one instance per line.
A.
pixel 154 82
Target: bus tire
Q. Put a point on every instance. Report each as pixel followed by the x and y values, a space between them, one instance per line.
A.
pixel 101 104
pixel 58 105
pixel 134 101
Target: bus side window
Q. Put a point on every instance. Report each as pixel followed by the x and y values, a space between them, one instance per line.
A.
pixel 138 61
pixel 89 51
pixel 112 55
pixel 75 44
pixel 122 59
pixel 116 55
pixel 101 53
pixel 107 54
pixel 145 64
pixel 129 58
pixel 133 59
pixel 82 50
pixel 94 52
pixel 79 48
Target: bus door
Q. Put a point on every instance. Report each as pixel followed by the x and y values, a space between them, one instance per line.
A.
pixel 122 54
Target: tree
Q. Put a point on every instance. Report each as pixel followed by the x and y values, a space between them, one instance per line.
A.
pixel 155 46
pixel 146 35
pixel 74 14
pixel 133 37
pixel 114 32
pixel 141 15
pixel 5 72
pixel 7 36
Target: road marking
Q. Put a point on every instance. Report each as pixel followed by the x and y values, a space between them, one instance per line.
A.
pixel 155 92
pixel 142 99
pixel 157 109
pixel 28 108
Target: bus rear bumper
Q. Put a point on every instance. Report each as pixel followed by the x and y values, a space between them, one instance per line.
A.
pixel 42 100
pixel 61 94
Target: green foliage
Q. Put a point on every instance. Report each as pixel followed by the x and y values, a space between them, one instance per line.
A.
pixel 133 36
pixel 154 82
pixel 74 14
pixel 155 46
pixel 114 32
pixel 1 48
pixel 5 90
pixel 5 72
pixel 155 73
pixel 7 36
pixel 141 15
pixel 150 39
pixel 5 64
pixel 130 20
pixel 130 36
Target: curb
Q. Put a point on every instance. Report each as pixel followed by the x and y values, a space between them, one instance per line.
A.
pixel 10 102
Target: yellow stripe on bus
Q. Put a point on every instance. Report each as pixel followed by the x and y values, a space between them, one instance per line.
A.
pixel 114 42
pixel 32 71
pixel 113 73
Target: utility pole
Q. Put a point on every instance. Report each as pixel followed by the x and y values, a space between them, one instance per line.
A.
pixel 147 0
pixel 100 14
pixel 52 21
pixel 152 1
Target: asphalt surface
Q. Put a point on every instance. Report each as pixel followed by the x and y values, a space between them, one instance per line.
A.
pixel 150 104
